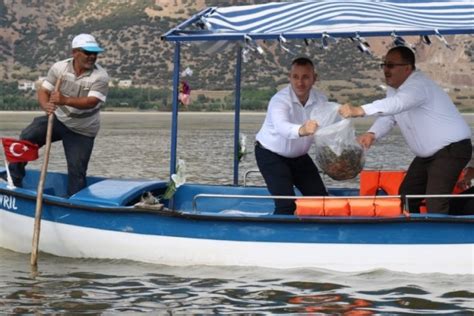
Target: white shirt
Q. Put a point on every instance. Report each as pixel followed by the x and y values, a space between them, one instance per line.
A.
pixel 285 115
pixel 427 117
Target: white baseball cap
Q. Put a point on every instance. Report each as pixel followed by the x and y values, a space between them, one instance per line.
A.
pixel 87 42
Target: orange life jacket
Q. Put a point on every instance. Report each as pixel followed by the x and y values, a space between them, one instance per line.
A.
pixel 387 180
pixel 390 181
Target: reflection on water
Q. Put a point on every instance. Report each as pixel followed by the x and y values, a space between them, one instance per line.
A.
pixel 76 286
pixel 137 145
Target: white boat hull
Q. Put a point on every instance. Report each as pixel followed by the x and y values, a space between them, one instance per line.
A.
pixel 82 242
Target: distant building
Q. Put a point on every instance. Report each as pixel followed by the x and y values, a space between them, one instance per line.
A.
pixel 125 83
pixel 26 85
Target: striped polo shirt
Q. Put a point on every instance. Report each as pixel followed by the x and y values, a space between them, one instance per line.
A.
pixel 92 83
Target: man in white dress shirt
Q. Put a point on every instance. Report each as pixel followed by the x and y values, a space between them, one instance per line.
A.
pixel 430 123
pixel 283 142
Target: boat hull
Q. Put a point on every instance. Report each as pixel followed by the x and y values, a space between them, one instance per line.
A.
pixel 182 238
pixel 103 222
pixel 84 242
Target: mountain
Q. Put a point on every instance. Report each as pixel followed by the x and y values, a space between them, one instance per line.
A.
pixel 36 33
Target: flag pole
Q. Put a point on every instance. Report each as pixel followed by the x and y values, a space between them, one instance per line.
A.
pixel 39 196
pixel 10 184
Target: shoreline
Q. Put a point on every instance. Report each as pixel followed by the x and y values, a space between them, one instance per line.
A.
pixel 469 117
pixel 180 112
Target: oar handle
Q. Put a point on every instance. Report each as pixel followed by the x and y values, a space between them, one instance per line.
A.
pixel 58 84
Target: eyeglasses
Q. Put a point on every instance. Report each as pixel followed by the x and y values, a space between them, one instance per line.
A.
pixel 85 52
pixel 391 66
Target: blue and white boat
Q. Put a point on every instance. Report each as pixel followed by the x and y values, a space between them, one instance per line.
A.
pixel 233 225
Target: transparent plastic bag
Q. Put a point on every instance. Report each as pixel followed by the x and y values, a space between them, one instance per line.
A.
pixel 338 153
pixel 327 114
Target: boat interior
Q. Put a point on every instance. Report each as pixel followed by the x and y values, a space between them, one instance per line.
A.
pixel 376 197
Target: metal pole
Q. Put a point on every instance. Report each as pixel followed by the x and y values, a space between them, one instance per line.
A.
pixel 174 110
pixel 174 114
pixel 238 69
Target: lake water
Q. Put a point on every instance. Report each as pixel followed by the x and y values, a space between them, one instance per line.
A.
pixel 136 145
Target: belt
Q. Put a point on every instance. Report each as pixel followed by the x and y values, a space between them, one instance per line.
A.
pixel 258 144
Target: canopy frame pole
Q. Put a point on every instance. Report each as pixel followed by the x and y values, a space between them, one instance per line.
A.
pixel 174 113
pixel 188 22
pixel 238 71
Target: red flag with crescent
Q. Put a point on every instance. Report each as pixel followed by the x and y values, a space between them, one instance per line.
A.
pixel 19 150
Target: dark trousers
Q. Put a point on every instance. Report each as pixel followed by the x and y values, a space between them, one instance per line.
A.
pixel 437 174
pixel 77 148
pixel 281 174
pixel 462 206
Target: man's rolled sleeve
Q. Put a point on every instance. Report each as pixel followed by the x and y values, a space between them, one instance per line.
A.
pixel 47 85
pixel 99 90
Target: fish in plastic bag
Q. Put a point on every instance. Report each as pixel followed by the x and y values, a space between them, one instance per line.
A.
pixel 338 153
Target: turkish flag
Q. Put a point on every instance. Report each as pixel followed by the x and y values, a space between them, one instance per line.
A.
pixel 19 150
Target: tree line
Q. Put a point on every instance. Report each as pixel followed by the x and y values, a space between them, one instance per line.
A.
pixel 252 99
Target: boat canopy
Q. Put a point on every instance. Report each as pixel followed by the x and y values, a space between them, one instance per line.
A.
pixel 303 20
pixel 314 19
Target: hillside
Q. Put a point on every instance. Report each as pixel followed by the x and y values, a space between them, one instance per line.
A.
pixel 35 33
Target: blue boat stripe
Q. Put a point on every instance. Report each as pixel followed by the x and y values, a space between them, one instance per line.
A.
pixel 413 230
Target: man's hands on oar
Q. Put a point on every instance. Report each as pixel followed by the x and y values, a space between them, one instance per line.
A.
pixel 49 101
pixel 57 98
pixel 44 98
pixel 49 108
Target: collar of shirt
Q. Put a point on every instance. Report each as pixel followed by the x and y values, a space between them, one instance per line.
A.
pixel 70 69
pixel 416 73
pixel 312 99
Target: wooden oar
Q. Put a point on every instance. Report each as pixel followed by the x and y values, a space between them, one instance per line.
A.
pixel 39 197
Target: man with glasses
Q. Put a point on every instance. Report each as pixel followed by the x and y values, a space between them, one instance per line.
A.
pixel 82 88
pixel 432 126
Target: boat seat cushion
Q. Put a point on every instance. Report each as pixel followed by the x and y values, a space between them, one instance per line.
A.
pixel 116 192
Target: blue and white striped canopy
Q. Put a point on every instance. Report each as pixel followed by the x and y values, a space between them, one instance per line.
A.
pixel 312 19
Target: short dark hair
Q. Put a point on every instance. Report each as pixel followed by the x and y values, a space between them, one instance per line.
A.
pixel 406 53
pixel 302 61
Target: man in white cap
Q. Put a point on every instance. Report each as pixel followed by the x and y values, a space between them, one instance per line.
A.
pixel 75 106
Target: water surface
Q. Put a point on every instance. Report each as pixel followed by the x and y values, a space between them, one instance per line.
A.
pixel 136 145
